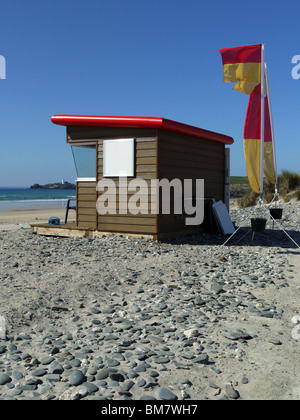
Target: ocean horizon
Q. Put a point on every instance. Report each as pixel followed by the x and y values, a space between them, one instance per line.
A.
pixel 19 197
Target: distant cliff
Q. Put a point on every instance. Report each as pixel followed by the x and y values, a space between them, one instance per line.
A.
pixel 55 186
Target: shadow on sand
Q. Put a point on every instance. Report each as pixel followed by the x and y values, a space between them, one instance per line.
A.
pixel 244 237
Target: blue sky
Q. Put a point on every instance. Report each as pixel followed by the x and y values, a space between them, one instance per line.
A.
pixel 149 57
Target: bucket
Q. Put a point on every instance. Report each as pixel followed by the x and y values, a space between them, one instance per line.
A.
pixel 258 224
pixel 276 213
pixel 54 221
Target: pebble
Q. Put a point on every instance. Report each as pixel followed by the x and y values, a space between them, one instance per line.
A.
pixel 55 367
pixel 4 379
pixel 46 360
pixel 236 335
pixel 91 387
pixel 77 378
pixel 203 359
pixel 165 394
pixel 231 392
pixel 38 372
pixel 275 341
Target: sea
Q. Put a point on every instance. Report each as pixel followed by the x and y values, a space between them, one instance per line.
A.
pixel 19 197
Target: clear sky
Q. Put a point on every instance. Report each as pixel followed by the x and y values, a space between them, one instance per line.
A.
pixel 155 58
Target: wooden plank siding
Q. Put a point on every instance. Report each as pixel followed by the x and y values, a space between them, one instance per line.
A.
pixel 185 157
pixel 85 133
pixel 86 212
pixel 145 168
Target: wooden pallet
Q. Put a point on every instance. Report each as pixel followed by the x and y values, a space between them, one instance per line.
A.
pixel 72 231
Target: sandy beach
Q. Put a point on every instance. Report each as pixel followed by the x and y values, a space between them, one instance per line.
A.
pixel 120 318
pixel 13 217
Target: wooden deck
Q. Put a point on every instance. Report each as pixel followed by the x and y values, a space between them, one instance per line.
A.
pixel 70 230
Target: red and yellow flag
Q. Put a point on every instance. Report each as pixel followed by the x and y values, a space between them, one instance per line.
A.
pixel 252 136
pixel 242 65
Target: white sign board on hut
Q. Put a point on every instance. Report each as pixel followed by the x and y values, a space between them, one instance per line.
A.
pixel 118 157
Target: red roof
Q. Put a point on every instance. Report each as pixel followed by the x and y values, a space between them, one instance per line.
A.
pixel 140 122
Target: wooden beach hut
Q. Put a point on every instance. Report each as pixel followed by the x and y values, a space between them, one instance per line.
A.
pixel 147 148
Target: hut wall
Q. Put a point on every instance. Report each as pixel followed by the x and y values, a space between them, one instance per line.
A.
pixel 185 157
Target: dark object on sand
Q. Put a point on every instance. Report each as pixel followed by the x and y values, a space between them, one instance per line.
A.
pixel 258 224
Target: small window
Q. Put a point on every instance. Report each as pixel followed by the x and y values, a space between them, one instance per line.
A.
pixel 85 160
pixel 118 157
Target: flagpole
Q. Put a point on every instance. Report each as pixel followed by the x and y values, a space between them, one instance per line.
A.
pixel 272 128
pixel 262 122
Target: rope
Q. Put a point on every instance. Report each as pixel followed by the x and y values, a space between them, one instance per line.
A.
pixel 264 207
pixel 274 220
pixel 278 199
